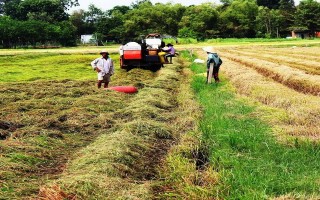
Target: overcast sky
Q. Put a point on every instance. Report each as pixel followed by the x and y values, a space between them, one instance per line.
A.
pixel 109 4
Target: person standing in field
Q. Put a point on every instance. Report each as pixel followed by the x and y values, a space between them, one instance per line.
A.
pixel 214 58
pixel 104 67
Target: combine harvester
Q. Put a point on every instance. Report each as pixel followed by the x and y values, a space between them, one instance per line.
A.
pixel 147 55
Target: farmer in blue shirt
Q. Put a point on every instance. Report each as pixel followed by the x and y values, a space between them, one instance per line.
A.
pixel 214 58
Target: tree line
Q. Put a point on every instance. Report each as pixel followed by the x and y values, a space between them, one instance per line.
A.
pixel 31 22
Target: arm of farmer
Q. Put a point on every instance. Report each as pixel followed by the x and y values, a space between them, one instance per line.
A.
pixel 94 65
pixel 210 60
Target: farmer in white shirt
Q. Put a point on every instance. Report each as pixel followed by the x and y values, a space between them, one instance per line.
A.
pixel 104 67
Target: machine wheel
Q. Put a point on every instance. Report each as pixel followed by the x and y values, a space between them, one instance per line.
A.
pixel 121 63
pixel 155 68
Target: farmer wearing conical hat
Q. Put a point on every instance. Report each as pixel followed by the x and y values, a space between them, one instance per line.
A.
pixel 104 68
pixel 214 58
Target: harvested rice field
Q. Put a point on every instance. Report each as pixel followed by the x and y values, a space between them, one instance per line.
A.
pixel 255 135
pixel 285 80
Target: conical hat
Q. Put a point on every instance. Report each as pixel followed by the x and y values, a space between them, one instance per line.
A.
pixel 209 49
pixel 104 51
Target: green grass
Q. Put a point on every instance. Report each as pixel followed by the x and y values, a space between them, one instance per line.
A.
pixel 62 131
pixel 280 42
pixel 47 66
pixel 242 149
pixel 52 118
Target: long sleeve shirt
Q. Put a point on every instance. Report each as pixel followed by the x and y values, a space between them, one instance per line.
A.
pixel 213 58
pixel 171 50
pixel 104 65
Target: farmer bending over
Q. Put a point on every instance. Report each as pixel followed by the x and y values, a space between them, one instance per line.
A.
pixel 104 68
pixel 214 58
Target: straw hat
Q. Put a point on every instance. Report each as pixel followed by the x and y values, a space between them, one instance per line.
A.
pixel 209 49
pixel 104 51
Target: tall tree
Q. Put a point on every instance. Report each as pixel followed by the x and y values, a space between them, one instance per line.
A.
pixel 137 3
pixel 12 7
pixel 111 24
pixel 44 10
pixel 92 17
pixel 77 19
pixel 202 20
pixel 148 18
pixel 308 16
pixel 287 10
pixel 268 22
pixel 121 9
pixel 238 20
pixel 69 3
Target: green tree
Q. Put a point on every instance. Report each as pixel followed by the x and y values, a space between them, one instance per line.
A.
pixel 10 8
pixel 92 17
pixel 93 14
pixel 69 3
pixel 19 9
pixel 111 26
pixel 186 33
pixel 137 3
pixel 287 10
pixel 42 10
pixel 308 16
pixel 119 9
pixel 148 18
pixel 8 31
pixel 268 22
pixel 201 20
pixel 77 19
pixel 67 34
pixel 226 2
pixel 239 19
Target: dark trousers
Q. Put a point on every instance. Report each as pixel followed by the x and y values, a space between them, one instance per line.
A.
pixel 215 73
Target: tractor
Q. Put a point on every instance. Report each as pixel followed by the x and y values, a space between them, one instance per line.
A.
pixel 147 55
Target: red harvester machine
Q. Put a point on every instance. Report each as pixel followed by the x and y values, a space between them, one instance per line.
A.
pixel 146 55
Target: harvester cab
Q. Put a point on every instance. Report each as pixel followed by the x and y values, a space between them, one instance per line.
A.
pixel 146 55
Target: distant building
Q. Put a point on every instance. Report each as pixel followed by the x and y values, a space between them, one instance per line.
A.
pixel 304 34
pixel 88 39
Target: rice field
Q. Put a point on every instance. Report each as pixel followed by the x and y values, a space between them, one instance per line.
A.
pixel 260 133
pixel 285 80
pixel 62 138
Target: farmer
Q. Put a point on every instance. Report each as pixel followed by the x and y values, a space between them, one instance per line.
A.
pixel 214 58
pixel 170 53
pixel 104 68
